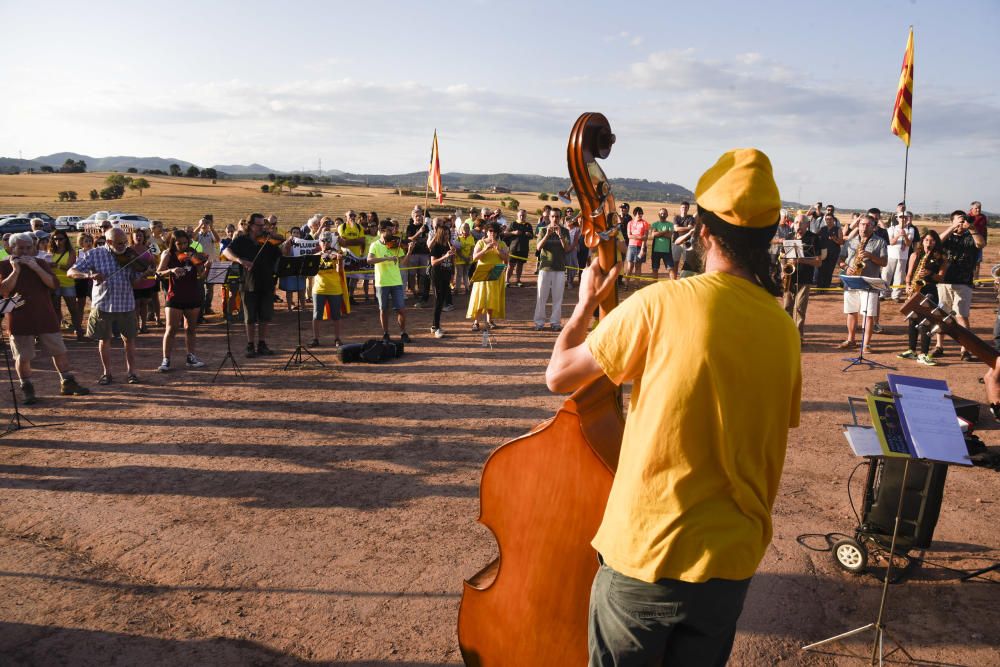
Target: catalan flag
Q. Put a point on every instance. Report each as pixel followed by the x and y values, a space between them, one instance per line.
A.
pixel 902 111
pixel 434 173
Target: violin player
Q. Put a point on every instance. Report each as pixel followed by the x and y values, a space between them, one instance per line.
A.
pixel 689 514
pixel 258 254
pixel 113 268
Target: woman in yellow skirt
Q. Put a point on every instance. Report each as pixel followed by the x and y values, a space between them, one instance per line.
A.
pixel 488 296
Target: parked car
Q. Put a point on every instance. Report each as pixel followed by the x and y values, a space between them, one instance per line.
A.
pixel 137 221
pixel 94 219
pixel 67 221
pixel 15 225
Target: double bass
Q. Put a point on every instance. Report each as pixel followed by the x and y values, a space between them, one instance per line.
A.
pixel 543 495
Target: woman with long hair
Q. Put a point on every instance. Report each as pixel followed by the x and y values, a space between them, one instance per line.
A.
pixel 442 268
pixel 489 296
pixel 182 269
pixel 63 257
pixel 927 262
pixel 144 287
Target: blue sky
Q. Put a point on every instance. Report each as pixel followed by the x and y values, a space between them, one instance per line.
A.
pixel 363 85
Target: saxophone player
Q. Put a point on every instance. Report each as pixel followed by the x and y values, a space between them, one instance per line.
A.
pixel 797 274
pixel 866 255
pixel 927 265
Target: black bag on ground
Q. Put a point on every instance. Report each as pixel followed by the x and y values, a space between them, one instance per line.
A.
pixel 372 351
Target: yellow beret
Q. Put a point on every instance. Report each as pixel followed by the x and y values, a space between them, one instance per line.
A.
pixel 740 189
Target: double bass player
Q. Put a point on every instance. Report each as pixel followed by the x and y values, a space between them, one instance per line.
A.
pixel 689 513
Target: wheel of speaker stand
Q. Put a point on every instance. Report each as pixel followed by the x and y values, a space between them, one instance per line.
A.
pixel 850 555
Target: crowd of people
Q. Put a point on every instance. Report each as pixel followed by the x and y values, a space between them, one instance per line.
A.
pixel 157 277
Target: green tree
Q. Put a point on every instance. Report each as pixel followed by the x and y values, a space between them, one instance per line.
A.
pixel 193 172
pixel 113 192
pixel 271 177
pixel 138 184
pixel 544 196
pixel 209 173
pixel 132 170
pixel 118 179
pixel 265 188
pixel 94 194
pixel 46 169
pixel 175 170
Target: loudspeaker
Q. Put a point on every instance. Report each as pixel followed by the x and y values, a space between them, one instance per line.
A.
pixel 921 502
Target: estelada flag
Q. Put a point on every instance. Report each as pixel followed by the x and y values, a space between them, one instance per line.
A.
pixel 902 111
pixel 434 173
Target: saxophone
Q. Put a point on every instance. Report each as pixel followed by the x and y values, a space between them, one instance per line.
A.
pixel 918 282
pixel 858 263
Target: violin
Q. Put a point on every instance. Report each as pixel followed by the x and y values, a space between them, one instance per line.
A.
pixel 272 238
pixel 130 257
pixel 196 259
pixel 543 495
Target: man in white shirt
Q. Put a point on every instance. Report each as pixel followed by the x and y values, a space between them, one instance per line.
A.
pixel 902 237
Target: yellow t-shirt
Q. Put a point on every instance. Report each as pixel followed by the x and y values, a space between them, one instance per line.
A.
pixel 327 281
pixel 467 245
pixel 715 366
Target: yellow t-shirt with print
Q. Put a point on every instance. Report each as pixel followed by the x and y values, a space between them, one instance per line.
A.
pixel 467 244
pixel 716 373
pixel 327 281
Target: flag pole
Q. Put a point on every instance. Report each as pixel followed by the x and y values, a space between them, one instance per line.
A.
pixel 906 168
pixel 427 185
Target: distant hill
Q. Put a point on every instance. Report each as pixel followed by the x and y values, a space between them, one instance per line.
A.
pixel 624 188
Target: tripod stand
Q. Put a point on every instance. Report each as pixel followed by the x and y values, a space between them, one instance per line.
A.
pixel 231 286
pixel 302 266
pixel 17 420
pixel 859 284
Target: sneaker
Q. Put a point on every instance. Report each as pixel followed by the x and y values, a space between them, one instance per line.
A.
pixel 337 343
pixel 313 343
pixel 909 354
pixel 450 307
pixel 539 327
pixel 70 387
pixel 967 356
pixel 164 365
pixel 926 360
pixel 405 337
pixel 263 350
pixel 438 333
pixel 28 394
pixel 385 337
pixel 936 352
pixel 557 327
pixel 419 304
pixel 877 328
pixel 251 351
pixel 194 362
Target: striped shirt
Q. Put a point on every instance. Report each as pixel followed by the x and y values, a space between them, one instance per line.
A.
pixel 114 293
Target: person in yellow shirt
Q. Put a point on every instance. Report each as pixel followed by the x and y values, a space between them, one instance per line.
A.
pixel 689 513
pixel 328 290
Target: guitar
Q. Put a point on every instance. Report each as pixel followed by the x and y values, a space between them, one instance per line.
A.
pixel 920 307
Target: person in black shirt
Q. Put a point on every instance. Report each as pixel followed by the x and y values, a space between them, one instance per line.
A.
pixel 829 239
pixel 442 252
pixel 795 291
pixel 418 255
pixel 961 246
pixel 518 237
pixel 258 257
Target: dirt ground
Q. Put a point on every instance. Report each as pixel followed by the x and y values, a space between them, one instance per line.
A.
pixel 328 515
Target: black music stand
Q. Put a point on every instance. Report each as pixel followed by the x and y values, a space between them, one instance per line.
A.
pixel 220 274
pixel 956 452
pixel 304 266
pixel 860 284
pixel 17 420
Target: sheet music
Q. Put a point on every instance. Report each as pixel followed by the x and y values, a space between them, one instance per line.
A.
pixel 792 249
pixel 863 440
pixel 933 424
pixel 217 273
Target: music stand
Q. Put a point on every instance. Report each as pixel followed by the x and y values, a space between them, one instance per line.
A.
pixel 868 286
pixel 17 420
pixel 228 275
pixel 304 266
pixel 934 445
